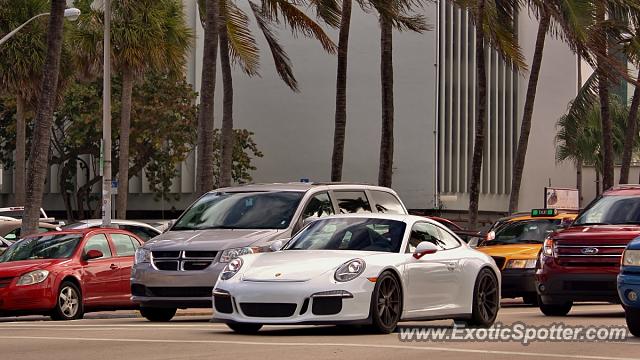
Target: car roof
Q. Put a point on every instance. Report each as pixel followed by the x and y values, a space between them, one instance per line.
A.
pixel 621 190
pixel 85 231
pixel 301 187
pixel 94 222
pixel 397 217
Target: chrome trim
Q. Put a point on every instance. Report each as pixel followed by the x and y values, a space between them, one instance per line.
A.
pixel 592 246
pixel 592 255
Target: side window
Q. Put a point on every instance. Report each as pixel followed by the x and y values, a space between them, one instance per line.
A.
pixel 350 202
pixel 448 241
pixel 319 206
pixel 98 242
pixel 124 245
pixel 386 203
pixel 135 243
pixel 424 232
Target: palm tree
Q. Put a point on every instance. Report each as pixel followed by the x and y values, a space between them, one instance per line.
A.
pixel 494 22
pixel 38 161
pixel 204 157
pixel 631 135
pixel 570 16
pixel 238 43
pixel 146 34
pixel 21 63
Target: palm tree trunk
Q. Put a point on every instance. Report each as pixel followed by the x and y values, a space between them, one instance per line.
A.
pixel 385 173
pixel 38 165
pixel 125 132
pixel 478 144
pixel 630 136
pixel 21 144
pixel 339 135
pixel 525 128
pixel 204 165
pixel 603 91
pixel 226 133
pixel 579 182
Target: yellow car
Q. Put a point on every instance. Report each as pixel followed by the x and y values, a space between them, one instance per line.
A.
pixel 515 245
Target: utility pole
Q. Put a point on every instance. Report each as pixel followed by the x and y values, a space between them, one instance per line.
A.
pixel 106 119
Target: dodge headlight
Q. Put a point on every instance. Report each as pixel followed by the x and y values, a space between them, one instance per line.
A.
pixel 521 264
pixel 142 256
pixel 349 270
pixel 231 254
pixel 231 269
pixel 631 258
pixel 33 277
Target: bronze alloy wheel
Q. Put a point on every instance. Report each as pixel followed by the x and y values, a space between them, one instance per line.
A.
pixel 386 304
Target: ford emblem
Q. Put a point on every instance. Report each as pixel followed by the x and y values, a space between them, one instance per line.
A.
pixel 589 251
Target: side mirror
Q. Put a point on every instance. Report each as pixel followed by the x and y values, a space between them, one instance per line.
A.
pixel 93 254
pixel 566 222
pixel 473 243
pixel 425 248
pixel 276 245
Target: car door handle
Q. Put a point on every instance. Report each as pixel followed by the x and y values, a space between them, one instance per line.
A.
pixel 451 266
pixel 113 266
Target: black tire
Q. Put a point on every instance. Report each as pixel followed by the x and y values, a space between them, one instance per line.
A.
pixel 386 304
pixel 556 309
pixel 486 300
pixel 246 329
pixel 68 303
pixel 158 314
pixel 633 321
pixel 532 299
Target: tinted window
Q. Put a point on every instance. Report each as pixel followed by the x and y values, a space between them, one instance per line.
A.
pixel 612 210
pixel 424 232
pixel 124 245
pixel 350 234
pixel 255 210
pixel 386 203
pixel 98 242
pixel 350 202
pixel 58 246
pixel 142 232
pixel 319 206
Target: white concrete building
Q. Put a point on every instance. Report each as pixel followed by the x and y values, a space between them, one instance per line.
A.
pixel 434 104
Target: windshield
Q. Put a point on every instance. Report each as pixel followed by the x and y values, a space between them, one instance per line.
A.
pixel 612 210
pixel 524 232
pixel 255 210
pixel 350 234
pixel 59 246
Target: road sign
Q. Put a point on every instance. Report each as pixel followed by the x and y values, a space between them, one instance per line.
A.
pixel 114 187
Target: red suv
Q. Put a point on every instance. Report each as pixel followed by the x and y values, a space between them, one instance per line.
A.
pixel 67 273
pixel 581 263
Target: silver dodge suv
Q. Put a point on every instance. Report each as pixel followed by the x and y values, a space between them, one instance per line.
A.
pixel 178 268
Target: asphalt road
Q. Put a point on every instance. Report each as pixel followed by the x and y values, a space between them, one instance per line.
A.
pixel 122 335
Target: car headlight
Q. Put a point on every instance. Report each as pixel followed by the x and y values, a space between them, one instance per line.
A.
pixel 142 256
pixel 631 258
pixel 33 277
pixel 350 270
pixel 231 254
pixel 231 269
pixel 521 264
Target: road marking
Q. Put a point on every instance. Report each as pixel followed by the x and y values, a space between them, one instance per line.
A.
pixel 333 345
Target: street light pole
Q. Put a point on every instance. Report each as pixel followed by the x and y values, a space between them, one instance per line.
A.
pixel 71 14
pixel 106 119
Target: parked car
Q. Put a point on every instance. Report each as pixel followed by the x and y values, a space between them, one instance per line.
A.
pixel 178 268
pixel 144 231
pixel 629 285
pixel 463 234
pixel 10 229
pixel 4 244
pixel 515 246
pixel 65 274
pixel 16 213
pixel 582 262
pixel 356 269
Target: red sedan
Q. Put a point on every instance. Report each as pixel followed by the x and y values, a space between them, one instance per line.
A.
pixel 67 273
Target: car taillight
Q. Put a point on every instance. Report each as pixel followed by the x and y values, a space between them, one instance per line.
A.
pixel 547 249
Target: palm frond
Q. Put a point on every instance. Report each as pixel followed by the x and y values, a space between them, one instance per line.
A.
pixel 329 11
pixel 284 68
pixel 243 47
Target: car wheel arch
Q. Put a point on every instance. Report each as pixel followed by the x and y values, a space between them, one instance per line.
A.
pixel 73 280
pixel 393 271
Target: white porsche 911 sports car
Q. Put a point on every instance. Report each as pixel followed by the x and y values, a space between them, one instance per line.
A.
pixel 360 269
